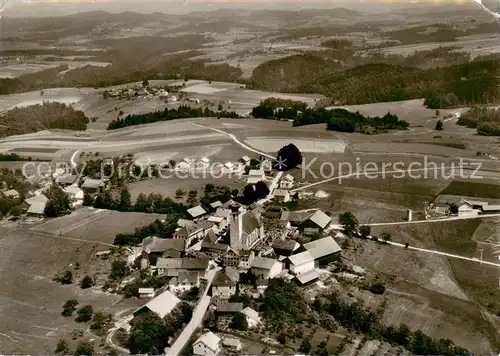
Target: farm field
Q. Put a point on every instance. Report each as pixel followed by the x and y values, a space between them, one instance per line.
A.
pixel 31 303
pixel 96 224
pixel 15 70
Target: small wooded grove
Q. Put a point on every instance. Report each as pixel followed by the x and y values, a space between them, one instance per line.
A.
pixel 485 120
pixel 336 119
pixel 49 115
pixel 182 112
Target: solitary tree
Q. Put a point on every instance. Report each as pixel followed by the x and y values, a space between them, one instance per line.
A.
pixel 58 203
pixel 349 223
pixel 288 157
pixel 125 200
pixel 69 307
pixel 84 314
pixel 86 282
pixel 145 83
pixel 84 348
pixel 365 231
pixel 62 347
pixel 439 125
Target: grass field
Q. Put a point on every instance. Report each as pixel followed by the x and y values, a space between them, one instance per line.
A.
pixel 473 189
pixel 31 303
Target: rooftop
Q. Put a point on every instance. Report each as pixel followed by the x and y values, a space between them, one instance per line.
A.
pixel 216 204
pixel 162 305
pixel 66 179
pixel 37 208
pixel 320 219
pixel 322 247
pixel 263 263
pixel 252 314
pixel 281 193
pixel 225 278
pixel 308 277
pixel 156 245
pixel 196 211
pixel 93 183
pixel 37 199
pixel 301 258
pixel 229 307
pixel 289 245
pixel 210 340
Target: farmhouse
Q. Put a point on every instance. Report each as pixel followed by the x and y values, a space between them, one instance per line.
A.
pixel 253 318
pixel 207 344
pixel 146 293
pixel 75 194
pixel 286 182
pixel 245 230
pixel 255 175
pixel 220 222
pixel 187 279
pixel 300 263
pixel 265 268
pixel 315 223
pixel 173 266
pixel 324 251
pixel 212 249
pixel 93 185
pixel 41 198
pixel 162 305
pixel 225 283
pixel 154 248
pixel 196 212
pixel 281 195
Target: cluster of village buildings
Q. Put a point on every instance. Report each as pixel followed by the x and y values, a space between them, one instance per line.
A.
pixel 233 237
pixel 141 92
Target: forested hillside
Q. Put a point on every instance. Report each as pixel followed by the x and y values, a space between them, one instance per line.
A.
pixel 38 117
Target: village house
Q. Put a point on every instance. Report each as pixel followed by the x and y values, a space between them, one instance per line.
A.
pixel 253 318
pixel 92 186
pixel 66 180
pixel 286 182
pixel 225 283
pixel 300 263
pixel 207 344
pixel 285 247
pixel 190 233
pixel 36 209
pixel 219 221
pixel 212 249
pixel 265 268
pixel 171 267
pixel 245 160
pixel 146 293
pixel 186 280
pixel 245 230
pixel 75 194
pixel 161 305
pixel 255 175
pixel 11 193
pixel 324 251
pixel 154 248
pixel 315 224
pixel 466 209
pixel 196 212
pixel 239 259
pixel 281 195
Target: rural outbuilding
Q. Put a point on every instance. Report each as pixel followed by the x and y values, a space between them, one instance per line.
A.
pixel 146 293
pixel 196 212
pixel 285 247
pixel 300 263
pixel 162 305
pixel 324 251
pixel 316 223
pixel 263 267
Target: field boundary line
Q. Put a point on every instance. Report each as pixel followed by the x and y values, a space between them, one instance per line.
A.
pixel 42 234
pixel 237 141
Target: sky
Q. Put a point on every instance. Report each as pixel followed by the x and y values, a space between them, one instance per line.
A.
pixel 18 8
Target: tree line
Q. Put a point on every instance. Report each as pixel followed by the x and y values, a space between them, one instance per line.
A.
pixel 182 112
pixel 345 121
pixel 278 109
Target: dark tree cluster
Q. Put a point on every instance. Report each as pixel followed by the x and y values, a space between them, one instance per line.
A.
pixel 283 304
pixel 345 121
pixel 158 228
pixel 12 157
pixel 354 316
pixel 49 115
pixel 182 112
pixel 58 204
pixel 278 109
pixel 213 193
pixel 485 120
pixel 254 192
pixel 288 157
pixel 150 333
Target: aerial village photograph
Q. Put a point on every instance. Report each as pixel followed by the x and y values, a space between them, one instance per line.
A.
pixel 226 177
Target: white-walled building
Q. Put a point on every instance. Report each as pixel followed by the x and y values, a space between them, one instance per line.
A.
pixel 301 263
pixel 253 318
pixel 207 344
pixel 265 268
